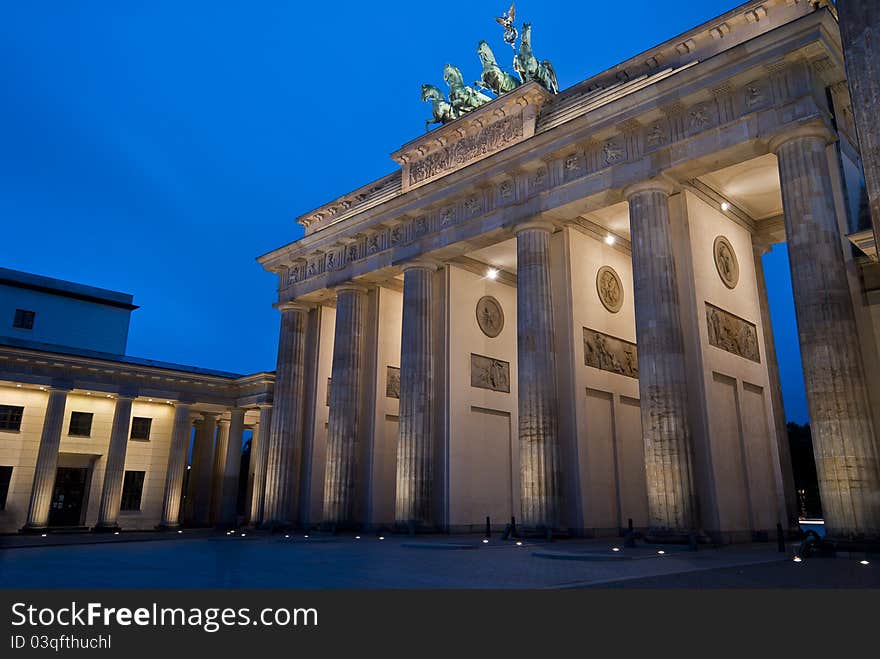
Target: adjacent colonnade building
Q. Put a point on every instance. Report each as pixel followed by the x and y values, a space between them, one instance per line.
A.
pixel 93 438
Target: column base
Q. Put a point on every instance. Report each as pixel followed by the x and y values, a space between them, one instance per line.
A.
pixel 101 528
pixel 33 530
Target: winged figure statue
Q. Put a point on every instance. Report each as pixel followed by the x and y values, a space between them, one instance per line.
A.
pixel 506 20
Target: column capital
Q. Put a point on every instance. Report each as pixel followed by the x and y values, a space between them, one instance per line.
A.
pixel 421 264
pixel 651 185
pixel 534 225
pixel 815 129
pixel 350 287
pixel 222 421
pixel 293 305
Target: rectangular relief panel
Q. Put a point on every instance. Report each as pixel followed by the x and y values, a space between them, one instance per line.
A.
pixel 489 373
pixel 732 333
pixel 392 382
pixel 608 353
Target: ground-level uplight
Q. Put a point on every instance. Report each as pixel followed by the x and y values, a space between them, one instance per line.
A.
pixel 661 552
pixel 286 535
pixel 357 537
pixel 381 537
pixel 42 535
pixel 485 541
pixel 615 549
pixel 864 562
pixel 519 543
pixel 797 559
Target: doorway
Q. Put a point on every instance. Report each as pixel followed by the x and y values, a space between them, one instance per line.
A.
pixel 68 496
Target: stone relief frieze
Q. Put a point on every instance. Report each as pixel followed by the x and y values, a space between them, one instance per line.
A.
pixel 490 373
pixel 725 262
pixel 490 316
pixel 392 382
pixel 491 138
pixel 732 333
pixel 609 288
pixel 613 151
pixel 608 353
pixel 679 122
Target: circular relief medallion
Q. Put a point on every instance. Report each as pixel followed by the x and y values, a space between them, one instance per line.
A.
pixel 490 317
pixel 725 262
pixel 610 289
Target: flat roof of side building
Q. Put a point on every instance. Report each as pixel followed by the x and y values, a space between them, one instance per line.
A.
pixel 65 288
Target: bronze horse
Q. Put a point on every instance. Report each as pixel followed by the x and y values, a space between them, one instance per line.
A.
pixel 493 77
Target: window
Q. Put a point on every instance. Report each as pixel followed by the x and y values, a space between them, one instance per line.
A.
pixel 24 319
pixel 140 428
pixel 132 487
pixel 5 477
pixel 80 424
pixel 10 417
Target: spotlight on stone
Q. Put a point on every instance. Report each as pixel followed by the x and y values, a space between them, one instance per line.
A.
pixel 725 206
pixel 492 273
pixel 610 239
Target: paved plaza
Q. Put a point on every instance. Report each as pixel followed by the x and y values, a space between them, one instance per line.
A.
pixel 264 561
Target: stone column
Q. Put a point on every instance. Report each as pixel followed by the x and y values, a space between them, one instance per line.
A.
pixel 860 33
pixel 662 379
pixel 111 492
pixel 202 464
pixel 181 432
pixel 783 449
pixel 231 469
pixel 47 461
pixel 260 455
pixel 219 467
pixel 345 400
pixel 285 438
pixel 540 471
pixel 840 417
pixel 415 438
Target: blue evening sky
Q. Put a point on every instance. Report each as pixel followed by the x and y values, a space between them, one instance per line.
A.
pixel 157 148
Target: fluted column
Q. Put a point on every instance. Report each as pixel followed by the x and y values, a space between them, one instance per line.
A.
pixel 232 469
pixel 860 34
pixel 540 471
pixel 343 427
pixel 662 379
pixel 47 461
pixel 202 470
pixel 260 455
pixel 415 438
pixel 844 442
pixel 181 432
pixel 287 418
pixel 783 450
pixel 111 492
pixel 219 467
